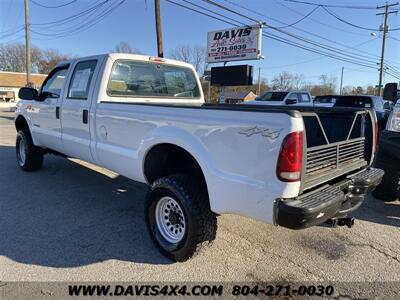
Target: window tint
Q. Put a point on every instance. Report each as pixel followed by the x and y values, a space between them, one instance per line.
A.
pixel 325 99
pixel 147 79
pixel 272 96
pixel 81 78
pixel 304 97
pixel 354 101
pixel 54 83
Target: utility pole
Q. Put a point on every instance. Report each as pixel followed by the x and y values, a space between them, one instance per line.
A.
pixel 27 45
pixel 341 82
pixel 158 28
pixel 259 81
pixel 385 31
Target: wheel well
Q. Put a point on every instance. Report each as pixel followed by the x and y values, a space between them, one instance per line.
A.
pixel 20 123
pixel 167 159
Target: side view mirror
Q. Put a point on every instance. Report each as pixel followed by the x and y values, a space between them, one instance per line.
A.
pixel 290 101
pixel 27 93
pixel 390 91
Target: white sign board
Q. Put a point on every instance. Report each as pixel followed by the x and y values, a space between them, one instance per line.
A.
pixel 240 43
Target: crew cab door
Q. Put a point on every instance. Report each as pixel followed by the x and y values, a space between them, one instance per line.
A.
pixel 45 110
pixel 75 110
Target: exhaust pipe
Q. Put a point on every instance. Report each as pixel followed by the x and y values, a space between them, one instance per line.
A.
pixel 347 221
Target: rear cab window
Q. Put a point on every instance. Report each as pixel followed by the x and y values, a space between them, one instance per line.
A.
pixel 354 101
pixel 140 79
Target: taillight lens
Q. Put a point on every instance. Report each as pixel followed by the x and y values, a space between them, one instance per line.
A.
pixel 291 158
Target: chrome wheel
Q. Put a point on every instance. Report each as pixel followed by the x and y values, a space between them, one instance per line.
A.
pixel 21 152
pixel 170 220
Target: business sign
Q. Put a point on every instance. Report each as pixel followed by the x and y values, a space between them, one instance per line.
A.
pixel 240 43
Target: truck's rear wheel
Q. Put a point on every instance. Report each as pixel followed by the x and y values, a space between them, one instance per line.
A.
pixel 389 188
pixel 29 157
pixel 178 216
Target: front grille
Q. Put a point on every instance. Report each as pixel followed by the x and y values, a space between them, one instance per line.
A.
pixel 324 158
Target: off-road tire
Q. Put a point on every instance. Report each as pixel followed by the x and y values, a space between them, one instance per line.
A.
pixel 201 222
pixel 389 188
pixel 33 155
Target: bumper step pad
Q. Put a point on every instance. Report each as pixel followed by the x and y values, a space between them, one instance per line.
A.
pixel 327 202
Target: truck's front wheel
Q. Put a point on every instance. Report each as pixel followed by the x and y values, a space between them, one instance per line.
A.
pixel 29 157
pixel 178 216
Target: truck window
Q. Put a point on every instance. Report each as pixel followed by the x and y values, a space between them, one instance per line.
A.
pixel 81 79
pixel 354 101
pixel 273 96
pixel 147 79
pixel 54 83
pixel 304 97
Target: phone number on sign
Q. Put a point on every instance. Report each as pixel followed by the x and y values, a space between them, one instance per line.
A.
pixel 283 290
pixel 236 47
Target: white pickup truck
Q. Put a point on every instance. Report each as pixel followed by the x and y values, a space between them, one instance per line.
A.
pixel 145 118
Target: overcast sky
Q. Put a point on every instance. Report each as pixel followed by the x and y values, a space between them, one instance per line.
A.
pixel 133 22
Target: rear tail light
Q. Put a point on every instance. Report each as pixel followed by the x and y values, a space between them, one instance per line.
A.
pixel 291 158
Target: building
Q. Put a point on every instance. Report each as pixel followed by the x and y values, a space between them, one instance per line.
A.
pixel 234 98
pixel 11 82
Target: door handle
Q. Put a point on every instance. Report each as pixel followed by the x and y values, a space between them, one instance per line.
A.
pixel 57 112
pixel 85 116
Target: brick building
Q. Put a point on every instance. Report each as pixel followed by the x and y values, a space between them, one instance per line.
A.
pixel 11 82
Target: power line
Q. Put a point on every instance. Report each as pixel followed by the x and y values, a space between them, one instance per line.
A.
pixel 331 5
pixel 301 19
pixel 305 31
pixel 329 48
pixel 319 22
pixel 281 39
pixel 368 56
pixel 56 6
pixel 352 24
pixel 86 25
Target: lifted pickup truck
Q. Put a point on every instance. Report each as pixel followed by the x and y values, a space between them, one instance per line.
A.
pixel 145 118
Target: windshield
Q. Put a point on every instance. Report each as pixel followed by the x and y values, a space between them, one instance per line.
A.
pixel 148 79
pixel 272 96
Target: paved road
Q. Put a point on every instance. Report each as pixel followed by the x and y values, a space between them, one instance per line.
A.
pixel 75 221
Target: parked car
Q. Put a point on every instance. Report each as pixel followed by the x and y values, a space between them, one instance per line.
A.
pixel 388 157
pixel 300 98
pixel 145 118
pixel 374 103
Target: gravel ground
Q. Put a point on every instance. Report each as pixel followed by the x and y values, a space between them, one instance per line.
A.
pixel 73 221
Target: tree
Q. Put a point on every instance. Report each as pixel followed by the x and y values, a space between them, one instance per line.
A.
pixel 13 59
pixel 125 47
pixel 283 81
pixel 298 81
pixel 49 58
pixel 370 90
pixel 195 55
